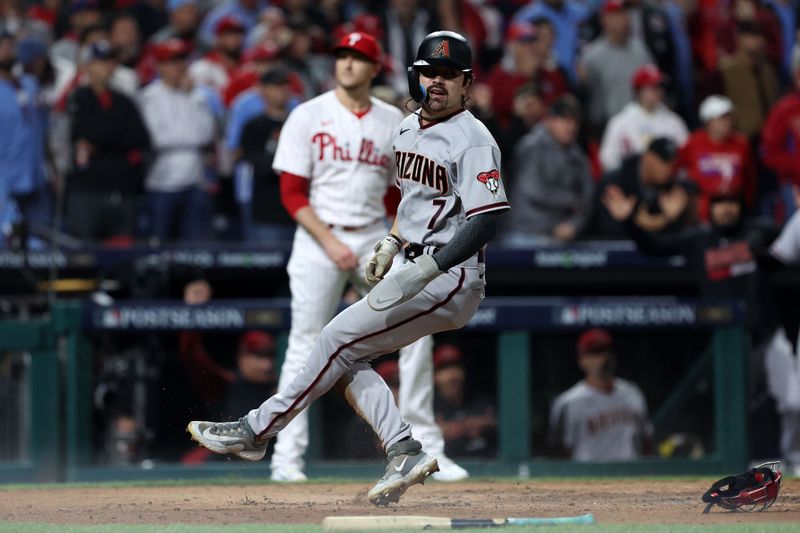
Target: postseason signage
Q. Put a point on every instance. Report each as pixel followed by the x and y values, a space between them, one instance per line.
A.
pixel 219 316
pixel 494 314
pixel 565 314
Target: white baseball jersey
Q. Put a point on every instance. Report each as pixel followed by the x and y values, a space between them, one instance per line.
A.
pixel 447 171
pixel 348 159
pixel 601 426
pixel 787 246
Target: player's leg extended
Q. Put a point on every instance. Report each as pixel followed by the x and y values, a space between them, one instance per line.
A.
pixel 316 286
pixel 358 333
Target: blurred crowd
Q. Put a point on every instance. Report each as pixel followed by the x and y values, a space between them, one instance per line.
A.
pixel 157 120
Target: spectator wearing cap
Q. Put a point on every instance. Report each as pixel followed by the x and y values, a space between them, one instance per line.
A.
pixel 780 142
pixel 467 418
pixel 663 204
pixel 215 69
pixel 749 80
pixel 552 183
pixel 263 218
pixel 717 155
pixel 608 64
pixel 183 23
pixel 566 18
pixel 523 62
pixel 405 24
pixel 602 417
pixel 106 158
pixel 640 121
pixel 255 62
pixel 246 12
pixel 182 128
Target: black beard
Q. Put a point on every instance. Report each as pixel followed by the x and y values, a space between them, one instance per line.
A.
pixel 6 65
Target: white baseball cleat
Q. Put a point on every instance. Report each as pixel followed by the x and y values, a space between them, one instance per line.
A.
pixel 236 438
pixel 408 465
pixel 288 474
pixel 449 470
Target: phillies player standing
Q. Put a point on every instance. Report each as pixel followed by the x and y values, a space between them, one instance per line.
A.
pixel 452 196
pixel 334 157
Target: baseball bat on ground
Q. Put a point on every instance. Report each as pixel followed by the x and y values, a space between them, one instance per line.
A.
pixel 362 523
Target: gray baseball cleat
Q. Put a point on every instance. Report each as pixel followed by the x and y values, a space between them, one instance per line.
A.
pixel 236 438
pixel 408 465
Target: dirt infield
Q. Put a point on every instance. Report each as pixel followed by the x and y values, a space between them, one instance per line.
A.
pixel 612 501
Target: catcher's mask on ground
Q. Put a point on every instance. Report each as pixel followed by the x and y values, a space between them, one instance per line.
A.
pixel 754 490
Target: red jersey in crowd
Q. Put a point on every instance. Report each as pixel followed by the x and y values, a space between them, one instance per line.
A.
pixel 781 139
pixel 713 165
pixel 551 83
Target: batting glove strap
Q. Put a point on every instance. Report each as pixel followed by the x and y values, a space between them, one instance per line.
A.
pixel 406 282
pixel 380 263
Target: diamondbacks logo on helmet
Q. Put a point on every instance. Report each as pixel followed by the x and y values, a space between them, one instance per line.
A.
pixel 442 49
pixel 491 179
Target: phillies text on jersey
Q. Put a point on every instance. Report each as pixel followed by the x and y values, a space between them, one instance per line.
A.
pixel 348 159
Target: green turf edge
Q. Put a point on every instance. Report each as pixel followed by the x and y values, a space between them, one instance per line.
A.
pixel 303 528
pixel 236 480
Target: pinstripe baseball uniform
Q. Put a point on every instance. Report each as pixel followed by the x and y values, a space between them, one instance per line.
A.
pixel 349 162
pixel 447 171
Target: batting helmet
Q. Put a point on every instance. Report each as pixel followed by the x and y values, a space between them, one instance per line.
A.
pixel 446 48
pixel 754 490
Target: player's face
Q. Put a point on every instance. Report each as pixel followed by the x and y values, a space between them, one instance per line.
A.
pixel 354 70
pixel 596 363
pixel 445 88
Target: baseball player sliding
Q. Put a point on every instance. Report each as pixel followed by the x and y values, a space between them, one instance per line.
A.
pixel 451 198
pixel 334 157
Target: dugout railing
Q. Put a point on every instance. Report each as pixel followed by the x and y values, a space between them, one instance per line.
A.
pixel 60 407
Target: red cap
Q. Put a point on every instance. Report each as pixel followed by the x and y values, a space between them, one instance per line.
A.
pixel 361 42
pixel 229 23
pixel 646 76
pixel 521 31
pixel 446 354
pixel 265 51
pixel 614 6
pixel 389 370
pixel 258 343
pixel 171 49
pixel 594 339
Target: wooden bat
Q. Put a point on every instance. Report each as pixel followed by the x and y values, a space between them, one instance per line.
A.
pixel 362 523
